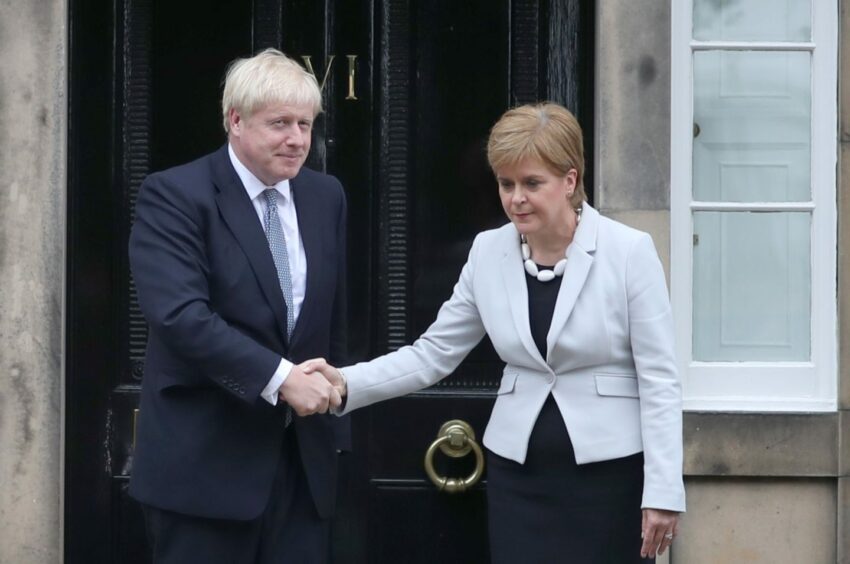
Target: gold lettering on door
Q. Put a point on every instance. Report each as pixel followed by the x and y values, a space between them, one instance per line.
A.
pixel 352 70
pixel 309 64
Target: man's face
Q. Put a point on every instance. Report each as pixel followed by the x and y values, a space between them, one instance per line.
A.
pixel 274 141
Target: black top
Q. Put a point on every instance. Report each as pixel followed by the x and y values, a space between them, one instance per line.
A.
pixel 541 306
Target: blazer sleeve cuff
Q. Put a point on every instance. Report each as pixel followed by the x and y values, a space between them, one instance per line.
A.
pixel 280 375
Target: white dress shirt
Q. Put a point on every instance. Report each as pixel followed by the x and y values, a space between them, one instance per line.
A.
pixel 294 248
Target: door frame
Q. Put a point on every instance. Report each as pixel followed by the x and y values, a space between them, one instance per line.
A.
pixel 97 227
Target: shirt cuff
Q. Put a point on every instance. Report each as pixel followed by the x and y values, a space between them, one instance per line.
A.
pixel 280 375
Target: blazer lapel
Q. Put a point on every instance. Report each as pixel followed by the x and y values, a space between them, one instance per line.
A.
pixel 513 275
pixel 239 215
pixel 579 261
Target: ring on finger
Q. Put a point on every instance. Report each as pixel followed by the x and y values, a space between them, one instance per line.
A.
pixel 669 537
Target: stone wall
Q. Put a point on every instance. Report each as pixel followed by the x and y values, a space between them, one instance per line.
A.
pixel 33 43
pixel 632 129
pixel 844 278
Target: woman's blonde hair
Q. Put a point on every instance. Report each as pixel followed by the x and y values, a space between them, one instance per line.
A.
pixel 267 77
pixel 547 132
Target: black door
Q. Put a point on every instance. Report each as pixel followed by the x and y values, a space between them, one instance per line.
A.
pixel 411 88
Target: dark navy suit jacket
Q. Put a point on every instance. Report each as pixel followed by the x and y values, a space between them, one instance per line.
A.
pixel 207 443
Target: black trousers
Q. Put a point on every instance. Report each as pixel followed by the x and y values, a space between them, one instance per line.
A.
pixel 551 509
pixel 289 531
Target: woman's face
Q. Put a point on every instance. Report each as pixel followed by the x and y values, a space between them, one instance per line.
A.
pixel 534 198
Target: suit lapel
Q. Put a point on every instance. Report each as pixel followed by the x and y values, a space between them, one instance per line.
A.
pixel 308 208
pixel 241 218
pixel 513 276
pixel 579 261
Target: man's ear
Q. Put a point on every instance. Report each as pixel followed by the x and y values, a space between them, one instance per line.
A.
pixel 235 121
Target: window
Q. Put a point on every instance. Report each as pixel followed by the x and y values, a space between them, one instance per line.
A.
pixel 753 212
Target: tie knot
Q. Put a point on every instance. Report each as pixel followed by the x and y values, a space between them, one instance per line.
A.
pixel 271 196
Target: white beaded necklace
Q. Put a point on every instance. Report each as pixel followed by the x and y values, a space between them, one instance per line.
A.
pixel 544 275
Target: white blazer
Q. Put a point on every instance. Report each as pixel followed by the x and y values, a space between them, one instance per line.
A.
pixel 609 362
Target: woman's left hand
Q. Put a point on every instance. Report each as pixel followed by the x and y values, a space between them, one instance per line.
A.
pixel 658 530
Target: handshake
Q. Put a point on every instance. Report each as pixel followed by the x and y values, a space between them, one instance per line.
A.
pixel 314 386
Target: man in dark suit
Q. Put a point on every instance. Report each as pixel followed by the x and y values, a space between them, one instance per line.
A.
pixel 239 263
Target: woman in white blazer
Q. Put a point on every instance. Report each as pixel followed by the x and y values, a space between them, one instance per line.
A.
pixel 585 438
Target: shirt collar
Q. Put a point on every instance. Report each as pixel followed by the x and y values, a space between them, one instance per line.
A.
pixel 253 185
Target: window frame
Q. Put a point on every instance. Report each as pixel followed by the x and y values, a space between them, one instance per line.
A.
pixel 759 386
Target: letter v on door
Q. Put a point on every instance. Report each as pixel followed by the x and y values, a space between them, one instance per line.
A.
pixel 352 60
pixel 309 64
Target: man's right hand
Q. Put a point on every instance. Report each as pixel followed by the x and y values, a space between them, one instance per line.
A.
pixel 331 373
pixel 308 393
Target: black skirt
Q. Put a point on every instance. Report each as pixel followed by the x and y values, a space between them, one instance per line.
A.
pixel 552 510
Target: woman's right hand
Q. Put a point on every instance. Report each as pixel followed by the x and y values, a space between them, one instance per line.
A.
pixel 658 530
pixel 332 374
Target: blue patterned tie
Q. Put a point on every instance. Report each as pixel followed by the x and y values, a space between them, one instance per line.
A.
pixel 277 244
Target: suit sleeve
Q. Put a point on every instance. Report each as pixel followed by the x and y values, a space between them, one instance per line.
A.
pixel 435 355
pixel 651 334
pixel 168 260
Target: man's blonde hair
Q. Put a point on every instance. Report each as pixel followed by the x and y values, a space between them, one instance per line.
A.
pixel 547 132
pixel 267 77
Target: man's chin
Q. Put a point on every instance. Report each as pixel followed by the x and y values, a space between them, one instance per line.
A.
pixel 288 172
